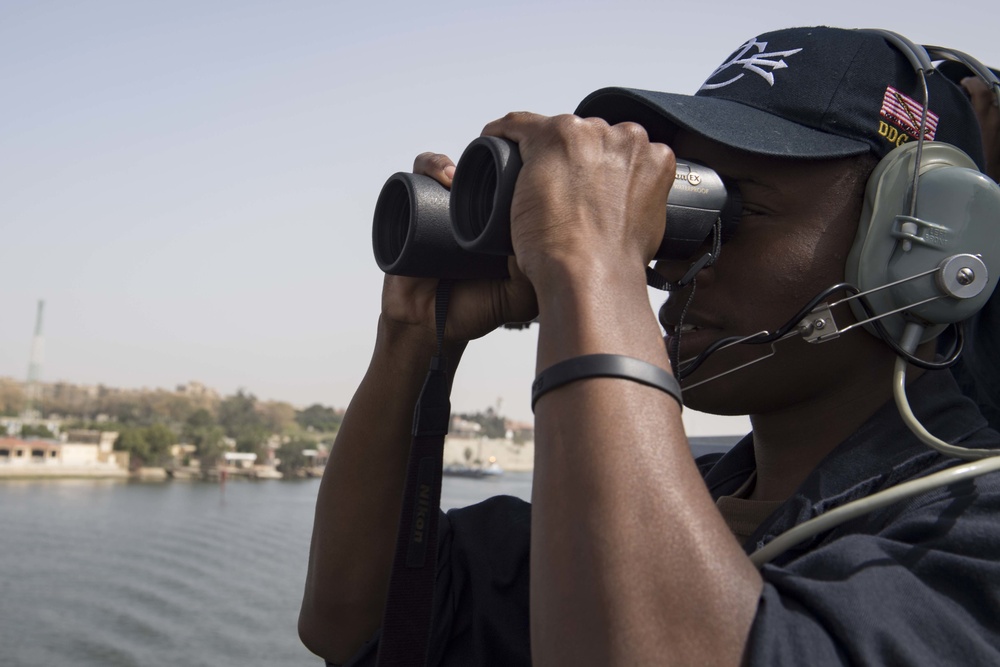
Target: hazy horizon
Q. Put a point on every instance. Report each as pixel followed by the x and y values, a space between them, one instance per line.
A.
pixel 189 186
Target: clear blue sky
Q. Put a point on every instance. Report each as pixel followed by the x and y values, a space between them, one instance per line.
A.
pixel 189 185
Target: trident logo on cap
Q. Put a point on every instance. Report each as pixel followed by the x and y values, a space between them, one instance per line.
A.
pixel 755 63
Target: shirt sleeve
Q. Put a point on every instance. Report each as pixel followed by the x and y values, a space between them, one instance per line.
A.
pixel 481 588
pixel 917 588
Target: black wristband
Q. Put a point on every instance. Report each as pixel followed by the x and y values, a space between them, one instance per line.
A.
pixel 604 365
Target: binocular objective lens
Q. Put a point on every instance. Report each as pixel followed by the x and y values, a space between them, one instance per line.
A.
pixel 475 195
pixel 395 217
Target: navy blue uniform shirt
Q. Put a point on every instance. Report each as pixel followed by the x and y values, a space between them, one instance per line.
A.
pixel 978 369
pixel 916 583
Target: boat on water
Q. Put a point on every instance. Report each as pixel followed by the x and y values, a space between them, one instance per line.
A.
pixel 490 469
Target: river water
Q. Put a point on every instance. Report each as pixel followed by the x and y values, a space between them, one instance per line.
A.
pixel 120 574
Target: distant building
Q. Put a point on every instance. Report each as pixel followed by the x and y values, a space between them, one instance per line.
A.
pixel 182 450
pixel 52 458
pixel 197 390
pixel 105 440
pixel 12 426
pixel 240 460
pixel 317 457
pixel 14 451
pixel 519 431
pixel 463 428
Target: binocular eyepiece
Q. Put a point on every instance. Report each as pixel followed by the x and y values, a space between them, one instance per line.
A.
pixel 422 230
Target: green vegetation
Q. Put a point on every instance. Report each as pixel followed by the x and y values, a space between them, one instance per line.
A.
pixel 12 399
pixel 146 445
pixel 39 431
pixel 202 431
pixel 241 420
pixel 292 459
pixel 494 426
pixel 319 418
pixel 149 422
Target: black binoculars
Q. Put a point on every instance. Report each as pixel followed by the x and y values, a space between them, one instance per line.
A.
pixel 422 230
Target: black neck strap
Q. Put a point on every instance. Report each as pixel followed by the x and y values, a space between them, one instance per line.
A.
pixel 406 623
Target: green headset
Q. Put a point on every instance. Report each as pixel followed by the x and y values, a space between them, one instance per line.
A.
pixel 927 248
pixel 926 255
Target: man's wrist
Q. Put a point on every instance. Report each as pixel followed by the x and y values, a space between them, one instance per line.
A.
pixel 412 346
pixel 586 272
pixel 597 308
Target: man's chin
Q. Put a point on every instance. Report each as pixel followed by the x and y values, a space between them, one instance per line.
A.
pixel 728 382
pixel 703 399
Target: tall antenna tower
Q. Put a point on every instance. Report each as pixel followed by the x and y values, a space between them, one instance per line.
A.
pixel 37 357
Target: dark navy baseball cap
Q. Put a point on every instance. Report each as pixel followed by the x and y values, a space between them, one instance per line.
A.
pixel 807 93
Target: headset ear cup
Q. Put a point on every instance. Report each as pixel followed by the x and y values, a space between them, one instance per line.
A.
pixel 957 213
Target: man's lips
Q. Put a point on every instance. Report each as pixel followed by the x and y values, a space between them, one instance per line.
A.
pixel 671 314
pixel 687 327
pixel 689 332
pixel 674 323
pixel 692 337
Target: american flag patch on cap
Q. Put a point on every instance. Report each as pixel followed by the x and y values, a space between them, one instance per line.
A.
pixel 904 112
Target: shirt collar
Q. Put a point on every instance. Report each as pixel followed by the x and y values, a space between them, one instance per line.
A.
pixel 881 453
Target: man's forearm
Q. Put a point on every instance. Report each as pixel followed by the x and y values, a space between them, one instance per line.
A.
pixel 631 563
pixel 357 510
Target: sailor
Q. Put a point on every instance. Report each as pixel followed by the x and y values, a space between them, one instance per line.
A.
pixel 637 553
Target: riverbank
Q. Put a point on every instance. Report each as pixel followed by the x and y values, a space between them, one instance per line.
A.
pixel 480 452
pixel 62 472
pixel 473 452
pixel 144 474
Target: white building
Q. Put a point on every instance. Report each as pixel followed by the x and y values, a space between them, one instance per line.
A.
pixel 48 458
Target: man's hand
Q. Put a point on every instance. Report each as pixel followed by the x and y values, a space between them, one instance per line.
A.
pixel 476 308
pixel 587 191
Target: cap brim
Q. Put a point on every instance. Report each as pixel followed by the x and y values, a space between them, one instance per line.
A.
pixel 730 123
